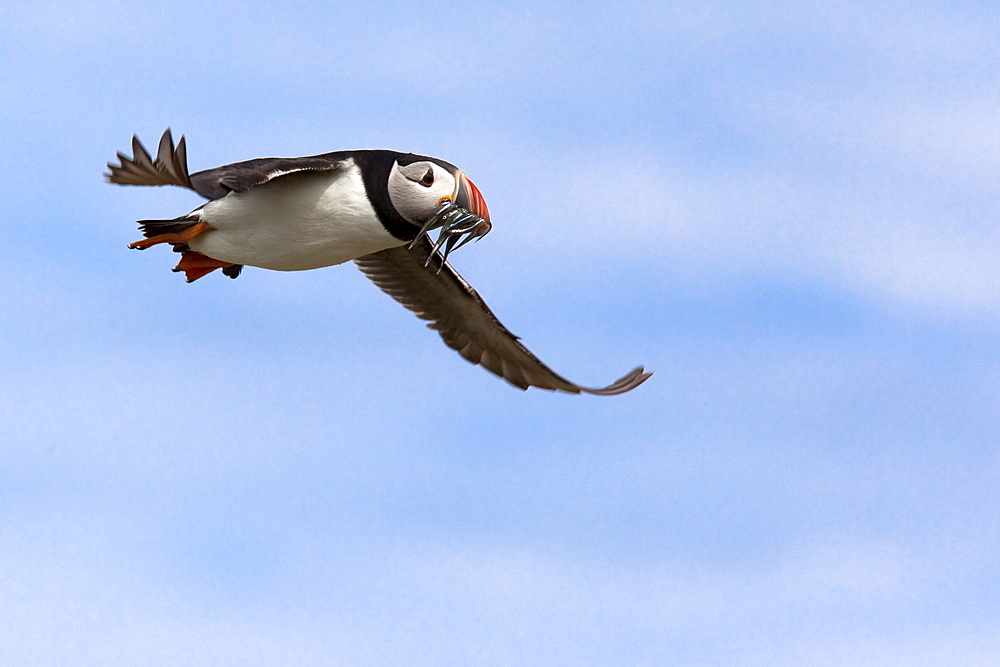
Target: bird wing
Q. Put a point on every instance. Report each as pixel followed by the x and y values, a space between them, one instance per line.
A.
pixel 464 321
pixel 170 168
pixel 241 176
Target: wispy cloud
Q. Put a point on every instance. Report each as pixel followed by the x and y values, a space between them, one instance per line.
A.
pixel 787 211
pixel 411 603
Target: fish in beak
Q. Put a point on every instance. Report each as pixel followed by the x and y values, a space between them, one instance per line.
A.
pixel 462 217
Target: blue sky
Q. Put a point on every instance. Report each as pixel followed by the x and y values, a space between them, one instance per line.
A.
pixel 787 211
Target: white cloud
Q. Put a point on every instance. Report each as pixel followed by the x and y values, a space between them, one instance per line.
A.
pixel 902 212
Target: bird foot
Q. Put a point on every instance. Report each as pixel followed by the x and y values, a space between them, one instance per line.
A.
pixel 173 237
pixel 195 265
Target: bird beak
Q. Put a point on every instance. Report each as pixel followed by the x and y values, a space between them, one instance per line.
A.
pixel 468 196
pixel 462 217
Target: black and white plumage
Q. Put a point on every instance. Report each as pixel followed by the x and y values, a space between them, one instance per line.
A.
pixel 292 214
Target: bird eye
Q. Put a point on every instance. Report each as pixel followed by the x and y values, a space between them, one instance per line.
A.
pixel 428 179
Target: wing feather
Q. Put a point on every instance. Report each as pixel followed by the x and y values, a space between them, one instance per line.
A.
pixel 241 176
pixel 170 168
pixel 457 312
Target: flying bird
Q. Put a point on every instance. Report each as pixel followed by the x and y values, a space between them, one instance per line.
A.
pixel 376 207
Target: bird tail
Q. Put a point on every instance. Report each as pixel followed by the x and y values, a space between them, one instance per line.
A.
pixel 169 168
pixel 151 228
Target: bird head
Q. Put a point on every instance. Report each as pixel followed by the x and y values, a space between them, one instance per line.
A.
pixel 418 185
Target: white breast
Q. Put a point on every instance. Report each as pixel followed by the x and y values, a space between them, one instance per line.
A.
pixel 295 222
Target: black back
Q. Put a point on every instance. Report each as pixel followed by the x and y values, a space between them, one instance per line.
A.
pixel 375 166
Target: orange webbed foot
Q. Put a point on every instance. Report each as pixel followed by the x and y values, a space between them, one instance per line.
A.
pixel 195 265
pixel 182 236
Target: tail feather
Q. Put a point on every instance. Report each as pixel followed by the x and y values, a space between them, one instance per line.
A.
pixel 169 168
pixel 151 228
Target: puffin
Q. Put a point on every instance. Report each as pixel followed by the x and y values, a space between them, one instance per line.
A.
pixel 375 207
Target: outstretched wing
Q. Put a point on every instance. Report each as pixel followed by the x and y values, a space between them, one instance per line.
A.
pixel 464 321
pixel 170 168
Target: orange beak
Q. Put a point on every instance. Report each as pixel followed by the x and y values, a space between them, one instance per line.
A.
pixel 468 196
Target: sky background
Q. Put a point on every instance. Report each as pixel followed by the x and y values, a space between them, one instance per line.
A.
pixel 787 211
